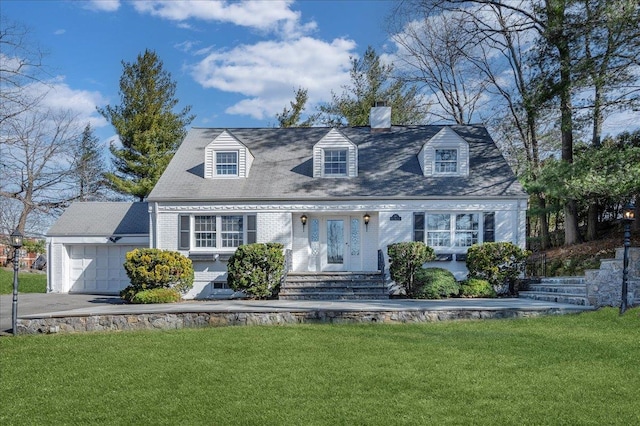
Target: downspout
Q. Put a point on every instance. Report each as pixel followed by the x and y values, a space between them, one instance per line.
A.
pixel 153 225
pixel 49 264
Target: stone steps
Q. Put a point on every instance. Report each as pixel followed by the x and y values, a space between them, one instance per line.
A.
pixel 572 290
pixel 333 286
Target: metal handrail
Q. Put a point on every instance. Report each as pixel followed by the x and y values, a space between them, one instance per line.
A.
pixel 536 266
pixel 381 263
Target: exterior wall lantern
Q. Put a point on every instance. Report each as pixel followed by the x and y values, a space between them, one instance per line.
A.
pixel 303 220
pixel 16 243
pixel 628 215
pixel 366 219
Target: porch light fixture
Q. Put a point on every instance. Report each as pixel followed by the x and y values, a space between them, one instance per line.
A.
pixel 303 220
pixel 628 215
pixel 16 243
pixel 366 219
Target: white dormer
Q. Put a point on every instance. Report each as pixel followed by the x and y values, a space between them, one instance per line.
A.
pixel 445 154
pixel 335 156
pixel 226 157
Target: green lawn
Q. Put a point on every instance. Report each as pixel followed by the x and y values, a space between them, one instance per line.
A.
pixel 573 369
pixel 28 282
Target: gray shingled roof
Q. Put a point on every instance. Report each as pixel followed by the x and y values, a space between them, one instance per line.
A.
pixel 102 219
pixel 388 167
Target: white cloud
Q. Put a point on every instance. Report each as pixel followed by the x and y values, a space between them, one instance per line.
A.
pixel 269 72
pixel 57 95
pixel 275 16
pixel 59 32
pixel 102 5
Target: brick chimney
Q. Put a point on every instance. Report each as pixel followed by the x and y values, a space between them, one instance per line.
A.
pixel 380 117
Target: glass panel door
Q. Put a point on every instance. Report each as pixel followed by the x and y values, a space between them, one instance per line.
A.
pixel 335 241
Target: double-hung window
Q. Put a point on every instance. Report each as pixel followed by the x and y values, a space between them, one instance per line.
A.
pixel 231 231
pixel 335 162
pixel 227 163
pixel 446 161
pixel 198 232
pixel 466 230
pixel 205 231
pixel 451 230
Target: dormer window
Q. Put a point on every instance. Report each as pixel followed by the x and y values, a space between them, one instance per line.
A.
pixel 335 162
pixel 445 154
pixel 335 156
pixel 446 161
pixel 226 157
pixel 227 163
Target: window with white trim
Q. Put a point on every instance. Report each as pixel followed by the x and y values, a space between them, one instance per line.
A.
pixel 227 163
pixel 453 230
pixel 446 161
pixel 204 231
pixel 335 162
pixel 200 232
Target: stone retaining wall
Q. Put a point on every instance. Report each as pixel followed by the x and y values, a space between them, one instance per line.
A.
pixel 604 285
pixel 217 319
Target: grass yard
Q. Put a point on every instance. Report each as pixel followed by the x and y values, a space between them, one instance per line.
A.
pixel 573 369
pixel 28 282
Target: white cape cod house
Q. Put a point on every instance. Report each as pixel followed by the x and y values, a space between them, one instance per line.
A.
pixel 335 198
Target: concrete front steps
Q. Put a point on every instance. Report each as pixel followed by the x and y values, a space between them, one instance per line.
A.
pixel 572 290
pixel 333 286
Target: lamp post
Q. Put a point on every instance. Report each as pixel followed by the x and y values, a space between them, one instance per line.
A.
pixel 628 215
pixel 16 242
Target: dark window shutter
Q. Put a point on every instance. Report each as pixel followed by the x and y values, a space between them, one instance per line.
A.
pixel 418 227
pixel 252 230
pixel 489 234
pixel 185 232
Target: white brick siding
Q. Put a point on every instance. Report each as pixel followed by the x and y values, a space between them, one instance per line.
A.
pixel 275 228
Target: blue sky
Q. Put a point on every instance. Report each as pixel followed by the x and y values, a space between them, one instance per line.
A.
pixel 236 64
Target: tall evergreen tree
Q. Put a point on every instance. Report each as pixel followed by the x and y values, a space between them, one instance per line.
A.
pixel 149 129
pixel 290 117
pixel 372 81
pixel 90 167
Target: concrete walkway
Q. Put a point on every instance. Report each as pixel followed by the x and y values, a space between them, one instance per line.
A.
pixel 35 305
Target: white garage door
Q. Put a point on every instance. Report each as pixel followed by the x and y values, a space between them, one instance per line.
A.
pixel 98 268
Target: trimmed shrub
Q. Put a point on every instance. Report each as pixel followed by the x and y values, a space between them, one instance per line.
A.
pixel 436 283
pixel 156 295
pixel 499 263
pixel 149 269
pixel 256 269
pixel 405 260
pixel 476 287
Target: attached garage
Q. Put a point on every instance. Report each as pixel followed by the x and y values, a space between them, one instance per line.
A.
pixel 86 247
pixel 97 268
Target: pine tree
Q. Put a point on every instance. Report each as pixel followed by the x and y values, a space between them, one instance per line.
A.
pixel 90 167
pixel 291 117
pixel 149 129
pixel 372 81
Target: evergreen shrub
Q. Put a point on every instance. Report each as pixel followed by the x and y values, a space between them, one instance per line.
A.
pixel 157 295
pixel 405 260
pixel 436 283
pixel 499 263
pixel 476 287
pixel 149 269
pixel 256 269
